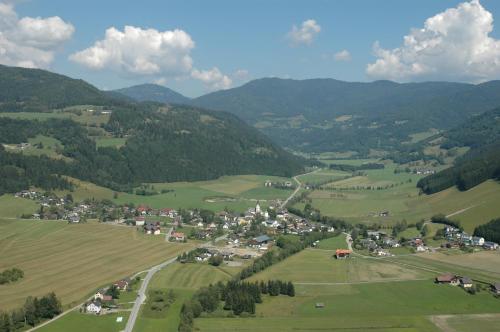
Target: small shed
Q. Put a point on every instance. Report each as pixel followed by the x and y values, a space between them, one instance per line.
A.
pixel 319 305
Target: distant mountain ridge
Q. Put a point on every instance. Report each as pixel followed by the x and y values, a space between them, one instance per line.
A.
pixel 330 115
pixel 154 92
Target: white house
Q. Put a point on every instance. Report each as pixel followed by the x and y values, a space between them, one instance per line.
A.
pixel 94 307
pixel 99 294
pixel 477 241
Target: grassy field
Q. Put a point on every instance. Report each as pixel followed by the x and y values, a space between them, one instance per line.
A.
pixel 73 260
pixel 104 142
pixel 473 207
pixel 316 266
pixel 401 306
pixel 13 207
pixel 479 266
pixel 77 322
pixel 358 294
pixel 235 192
pixel 322 176
pixel 333 243
pixel 465 323
pixel 86 118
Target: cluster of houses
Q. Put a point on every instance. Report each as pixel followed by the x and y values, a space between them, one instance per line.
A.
pixel 464 282
pixel 424 171
pixel 102 299
pixel 378 243
pixel 284 185
pixel 457 238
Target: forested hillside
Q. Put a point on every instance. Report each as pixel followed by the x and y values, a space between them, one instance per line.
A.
pixel 482 135
pixel 35 90
pixel 329 115
pixel 153 92
pixel 159 143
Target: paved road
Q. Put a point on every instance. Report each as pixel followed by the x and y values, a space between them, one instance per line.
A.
pixel 141 294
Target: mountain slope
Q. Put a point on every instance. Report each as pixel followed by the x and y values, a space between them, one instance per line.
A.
pixel 482 162
pixel 153 92
pixel 330 115
pixel 158 143
pixel 23 89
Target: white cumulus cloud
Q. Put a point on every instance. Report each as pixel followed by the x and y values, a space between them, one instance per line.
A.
pixel 453 45
pixel 160 55
pixel 305 34
pixel 213 78
pixel 140 51
pixel 343 55
pixel 30 41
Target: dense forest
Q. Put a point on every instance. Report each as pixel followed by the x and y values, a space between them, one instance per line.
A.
pixel 154 92
pixel 35 90
pixel 473 168
pixel 490 231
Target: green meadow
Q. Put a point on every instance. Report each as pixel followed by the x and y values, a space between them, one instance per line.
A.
pixel 399 196
pixel 360 294
pixel 77 322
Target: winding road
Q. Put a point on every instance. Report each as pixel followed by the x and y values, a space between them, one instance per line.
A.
pixel 299 186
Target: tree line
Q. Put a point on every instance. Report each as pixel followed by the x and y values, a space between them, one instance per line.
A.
pixel 490 231
pixel 34 311
pixel 287 247
pixel 239 297
pixel 353 168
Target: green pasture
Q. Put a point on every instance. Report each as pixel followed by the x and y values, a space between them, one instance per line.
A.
pixel 79 322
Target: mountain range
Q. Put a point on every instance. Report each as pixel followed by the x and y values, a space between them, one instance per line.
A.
pixel 320 115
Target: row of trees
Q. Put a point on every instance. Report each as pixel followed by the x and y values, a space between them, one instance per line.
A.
pixel 238 296
pixel 11 275
pixel 353 168
pixel 31 313
pixel 288 247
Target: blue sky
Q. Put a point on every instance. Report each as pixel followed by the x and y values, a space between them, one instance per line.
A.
pixel 253 37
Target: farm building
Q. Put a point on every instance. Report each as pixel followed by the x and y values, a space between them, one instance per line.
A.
pixel 495 288
pixel 466 282
pixel 448 279
pixel 342 253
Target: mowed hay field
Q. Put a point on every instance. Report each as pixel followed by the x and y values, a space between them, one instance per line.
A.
pixel 73 260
